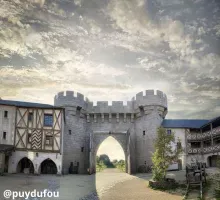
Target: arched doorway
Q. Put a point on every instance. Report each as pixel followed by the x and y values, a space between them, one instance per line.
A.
pixel 121 139
pixel 111 154
pixel 213 160
pixel 25 165
pixel 48 167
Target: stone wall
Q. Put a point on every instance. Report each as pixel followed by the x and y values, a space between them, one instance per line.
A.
pixel 36 160
pixel 84 120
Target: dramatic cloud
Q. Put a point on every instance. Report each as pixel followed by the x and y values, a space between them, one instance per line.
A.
pixel 111 50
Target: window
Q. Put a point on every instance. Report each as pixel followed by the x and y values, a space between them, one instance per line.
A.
pixel 82 149
pixel 36 154
pixel 195 144
pixel 29 137
pixel 143 132
pixel 48 120
pixel 70 132
pixel 49 140
pixel 4 135
pixel 141 110
pixel 78 109
pixel 6 114
pixel 30 116
pixel 169 132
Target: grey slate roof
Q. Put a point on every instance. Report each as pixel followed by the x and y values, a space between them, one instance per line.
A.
pixel 184 123
pixel 25 104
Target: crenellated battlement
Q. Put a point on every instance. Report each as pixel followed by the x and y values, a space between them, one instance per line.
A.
pixel 150 97
pixel 142 99
pixel 112 107
pixel 70 98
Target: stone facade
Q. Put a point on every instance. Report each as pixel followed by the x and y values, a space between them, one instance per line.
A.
pixel 35 159
pixel 133 125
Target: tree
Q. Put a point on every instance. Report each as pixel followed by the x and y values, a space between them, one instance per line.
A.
pixel 106 160
pixel 164 153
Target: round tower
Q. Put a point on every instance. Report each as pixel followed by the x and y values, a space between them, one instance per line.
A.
pixel 150 109
pixel 75 139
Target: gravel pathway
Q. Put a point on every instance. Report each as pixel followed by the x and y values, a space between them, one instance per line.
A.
pixel 136 189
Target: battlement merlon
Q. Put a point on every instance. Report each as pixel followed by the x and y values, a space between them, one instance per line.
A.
pixel 115 107
pixel 150 98
pixel 69 99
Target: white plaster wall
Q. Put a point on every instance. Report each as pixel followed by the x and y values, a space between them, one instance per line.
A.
pixel 18 155
pixel 7 124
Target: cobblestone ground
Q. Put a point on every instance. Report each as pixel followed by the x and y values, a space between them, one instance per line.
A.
pixel 107 185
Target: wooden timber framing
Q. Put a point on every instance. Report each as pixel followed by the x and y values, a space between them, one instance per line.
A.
pixel 24 126
pixel 200 137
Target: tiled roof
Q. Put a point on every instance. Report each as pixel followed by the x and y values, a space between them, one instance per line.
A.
pixel 25 104
pixel 184 123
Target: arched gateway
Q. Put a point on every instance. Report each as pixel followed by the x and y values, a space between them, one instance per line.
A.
pixel 133 125
pixel 97 139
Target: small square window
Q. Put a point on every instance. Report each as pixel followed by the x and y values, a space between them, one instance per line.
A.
pixel 4 135
pixel 82 149
pixel 168 132
pixel 29 137
pixel 48 120
pixel 36 154
pixel 70 132
pixel 6 114
pixel 49 140
pixel 143 132
pixel 30 116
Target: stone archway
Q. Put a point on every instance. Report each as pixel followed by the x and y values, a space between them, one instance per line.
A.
pixel 25 165
pixel 48 166
pixel 96 140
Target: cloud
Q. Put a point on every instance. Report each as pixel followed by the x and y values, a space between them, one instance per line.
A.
pixel 111 50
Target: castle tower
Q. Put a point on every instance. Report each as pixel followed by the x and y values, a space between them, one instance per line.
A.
pixel 75 140
pixel 150 110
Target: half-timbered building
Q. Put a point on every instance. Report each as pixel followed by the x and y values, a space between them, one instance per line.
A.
pixel 37 138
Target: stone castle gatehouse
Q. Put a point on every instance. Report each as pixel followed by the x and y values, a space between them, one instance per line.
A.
pixel 133 125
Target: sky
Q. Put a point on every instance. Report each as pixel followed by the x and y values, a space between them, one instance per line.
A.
pixel 111 50
pixel 111 147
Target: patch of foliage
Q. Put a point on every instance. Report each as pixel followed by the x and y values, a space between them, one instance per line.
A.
pixel 164 153
pixel 120 165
